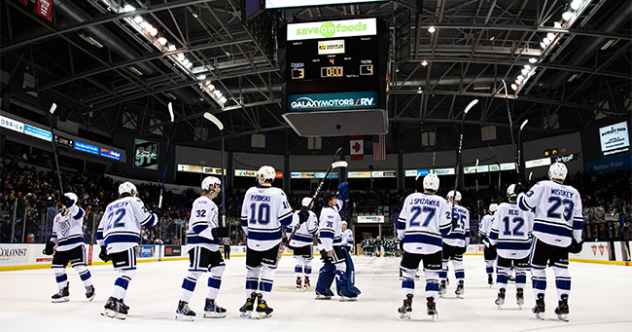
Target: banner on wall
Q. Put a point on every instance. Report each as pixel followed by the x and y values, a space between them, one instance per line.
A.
pixel 145 251
pixel 608 165
pixel 14 254
pixel 44 8
pixel 370 219
pixel 173 251
pixel 146 154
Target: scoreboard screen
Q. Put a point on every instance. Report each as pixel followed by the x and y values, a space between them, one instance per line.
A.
pixel 333 65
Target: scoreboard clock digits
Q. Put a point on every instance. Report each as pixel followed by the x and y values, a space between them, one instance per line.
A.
pixel 331 72
pixel 366 69
pixel 298 74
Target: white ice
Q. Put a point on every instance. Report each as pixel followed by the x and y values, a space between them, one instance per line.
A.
pixel 601 300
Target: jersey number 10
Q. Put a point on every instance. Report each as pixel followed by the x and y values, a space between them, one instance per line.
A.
pixel 263 216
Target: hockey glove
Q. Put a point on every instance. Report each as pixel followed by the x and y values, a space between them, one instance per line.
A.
pixel 343 191
pixel 455 222
pixel 575 247
pixel 103 255
pixel 219 232
pixel 302 217
pixel 67 201
pixel 50 246
pixel 325 258
pixel 520 188
pixel 158 213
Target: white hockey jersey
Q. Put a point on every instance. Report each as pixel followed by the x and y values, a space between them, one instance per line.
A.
pixel 264 215
pixel 121 223
pixel 330 227
pixel 483 230
pixel 511 231
pixel 347 238
pixel 304 236
pixel 558 212
pixel 424 221
pixel 204 217
pixel 459 237
pixel 68 229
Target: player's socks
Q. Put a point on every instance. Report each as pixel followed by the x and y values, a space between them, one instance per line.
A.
pixel 62 295
pixel 212 310
pixel 184 313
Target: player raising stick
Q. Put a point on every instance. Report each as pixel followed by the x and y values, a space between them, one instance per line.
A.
pixel 264 214
pixel 203 238
pixel 302 244
pixel 337 260
pixel 347 238
pixel 455 245
pixel 557 230
pixel 424 220
pixel 118 235
pixel 511 233
pixel 68 237
pixel 489 251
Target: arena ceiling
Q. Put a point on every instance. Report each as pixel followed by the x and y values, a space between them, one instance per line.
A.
pixel 107 76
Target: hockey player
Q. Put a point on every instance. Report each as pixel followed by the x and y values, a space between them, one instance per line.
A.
pixel 264 214
pixel 425 219
pixel 511 234
pixel 203 239
pixel 337 261
pixel 118 235
pixel 347 238
pixel 303 244
pixel 489 251
pixel 455 245
pixel 68 237
pixel 557 230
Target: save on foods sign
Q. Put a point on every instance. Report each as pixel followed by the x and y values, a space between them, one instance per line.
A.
pixel 332 29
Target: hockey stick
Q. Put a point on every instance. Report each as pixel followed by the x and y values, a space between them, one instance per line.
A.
pixel 511 132
pixel 220 126
pixel 460 155
pixel 478 204
pixel 520 146
pixel 53 107
pixel 164 171
pixel 334 164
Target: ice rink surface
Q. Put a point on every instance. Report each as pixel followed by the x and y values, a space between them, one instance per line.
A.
pixel 601 300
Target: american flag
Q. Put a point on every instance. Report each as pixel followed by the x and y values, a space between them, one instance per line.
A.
pixel 379 147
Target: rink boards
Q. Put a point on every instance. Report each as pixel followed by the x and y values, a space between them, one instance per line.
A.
pixel 24 256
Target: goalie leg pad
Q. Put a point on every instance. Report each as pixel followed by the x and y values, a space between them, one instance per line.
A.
pixel 326 277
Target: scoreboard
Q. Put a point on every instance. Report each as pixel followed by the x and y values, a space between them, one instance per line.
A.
pixel 339 68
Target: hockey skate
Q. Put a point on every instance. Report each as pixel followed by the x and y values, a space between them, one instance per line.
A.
pixel 263 311
pixel 246 309
pixel 306 283
pixel 321 296
pixel 115 308
pixel 347 298
pixel 90 293
pixel 490 280
pixel 299 284
pixel 61 296
pixel 460 290
pixel 184 313
pixel 432 308
pixel 520 297
pixel 212 310
pixel 562 309
pixel 442 290
pixel 501 298
pixel 538 310
pixel 406 309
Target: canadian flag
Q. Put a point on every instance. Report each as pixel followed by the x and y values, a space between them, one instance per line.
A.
pixel 356 144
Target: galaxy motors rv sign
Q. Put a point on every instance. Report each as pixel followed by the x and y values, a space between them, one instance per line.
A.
pixel 332 101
